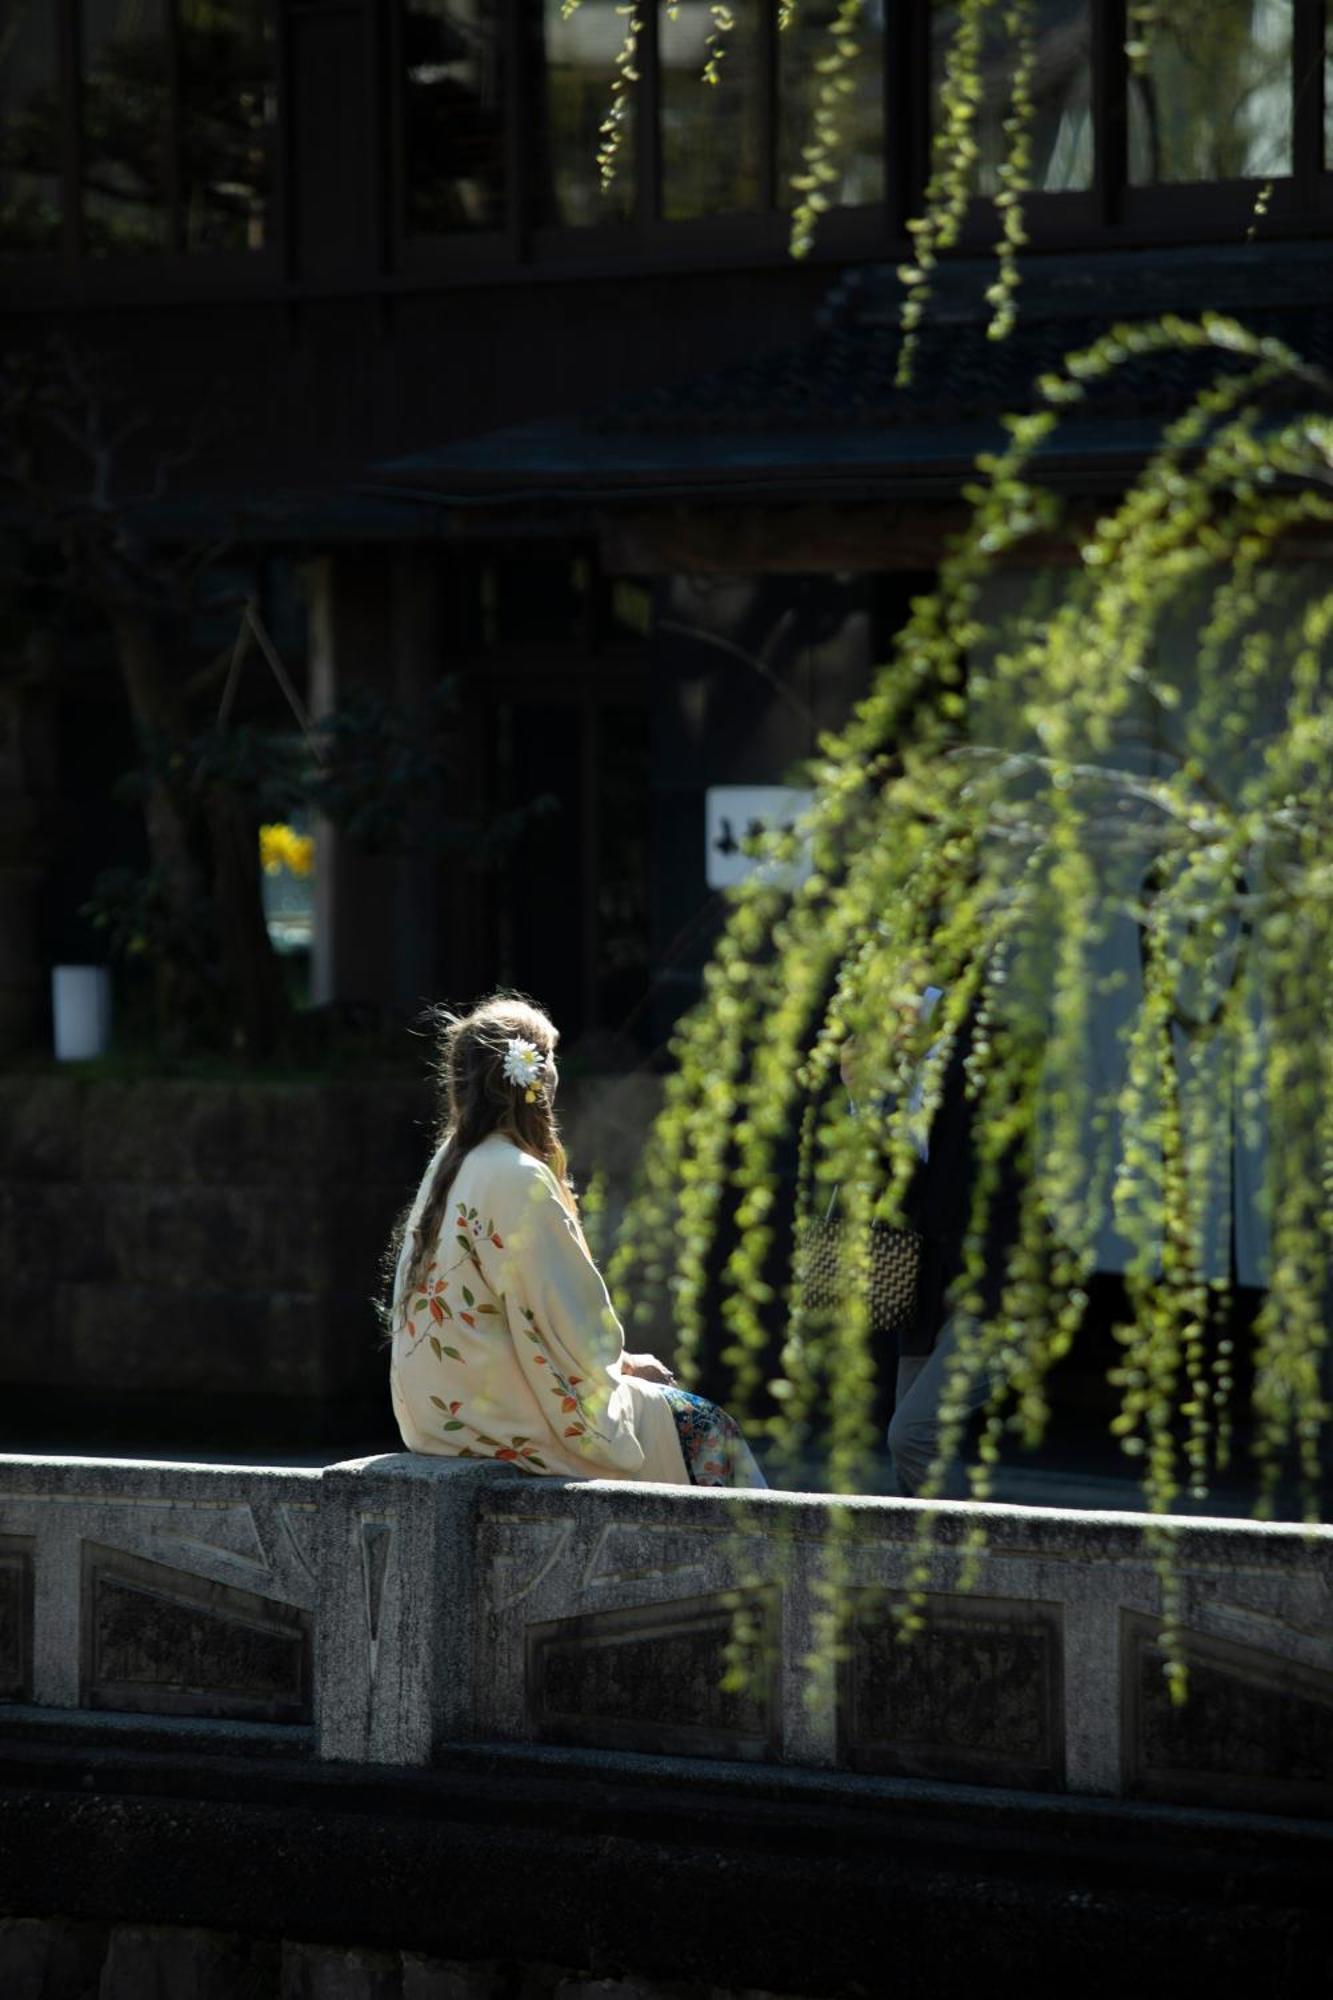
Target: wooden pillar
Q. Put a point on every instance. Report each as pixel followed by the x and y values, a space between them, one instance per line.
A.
pixel 417 666
pixel 375 626
pixel 25 787
pixel 352 949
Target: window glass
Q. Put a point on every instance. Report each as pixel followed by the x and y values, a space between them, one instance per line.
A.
pixel 579 67
pixel 228 102
pixel 125 134
pixel 858 161
pixel 712 133
pixel 29 127
pixel 1210 99
pixel 1061 94
pixel 453 56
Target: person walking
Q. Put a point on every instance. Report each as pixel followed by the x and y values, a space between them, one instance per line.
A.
pixel 937 1210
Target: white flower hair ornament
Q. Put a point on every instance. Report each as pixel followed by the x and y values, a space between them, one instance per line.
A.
pixel 523 1066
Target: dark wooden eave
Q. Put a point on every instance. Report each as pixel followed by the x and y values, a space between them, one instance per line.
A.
pixel 815 456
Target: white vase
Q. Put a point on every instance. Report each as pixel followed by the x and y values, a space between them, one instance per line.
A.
pixel 81 1011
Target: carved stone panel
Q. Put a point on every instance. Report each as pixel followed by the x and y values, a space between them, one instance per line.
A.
pixel 162 1641
pixel 976 1697
pixel 15 1618
pixel 651 1678
pixel 1255 1730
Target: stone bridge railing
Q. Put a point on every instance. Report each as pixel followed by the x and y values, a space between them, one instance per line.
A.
pixel 377 1612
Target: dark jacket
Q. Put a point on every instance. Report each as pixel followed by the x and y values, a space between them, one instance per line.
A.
pixel 938 1206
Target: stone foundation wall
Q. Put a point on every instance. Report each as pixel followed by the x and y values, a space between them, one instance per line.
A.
pixel 48 1959
pixel 195 1239
pixel 192 1240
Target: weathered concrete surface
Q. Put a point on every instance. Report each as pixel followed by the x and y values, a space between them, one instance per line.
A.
pixel 397 1606
pixel 517 1773
pixel 56 1960
pixel 384 1610
pixel 1045 1674
pixel 45 1960
pixel 156 1963
pixel 325 1972
pixel 226 1552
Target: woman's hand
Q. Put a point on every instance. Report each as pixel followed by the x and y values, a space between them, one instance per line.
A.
pixel 647 1367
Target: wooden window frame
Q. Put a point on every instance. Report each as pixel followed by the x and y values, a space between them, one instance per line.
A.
pixel 173 271
pixel 1114 214
pixel 645 241
pixel 473 250
pixel 1207 209
pixel 1109 215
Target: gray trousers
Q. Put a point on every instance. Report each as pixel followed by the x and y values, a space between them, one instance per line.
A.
pixel 914 1430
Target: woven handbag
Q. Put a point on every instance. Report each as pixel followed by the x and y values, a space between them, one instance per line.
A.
pixel 895 1271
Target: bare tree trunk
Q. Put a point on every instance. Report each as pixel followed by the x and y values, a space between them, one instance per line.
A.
pixel 250 966
pixel 239 998
pixel 160 726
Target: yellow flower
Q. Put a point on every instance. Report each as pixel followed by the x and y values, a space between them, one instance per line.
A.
pixel 281 846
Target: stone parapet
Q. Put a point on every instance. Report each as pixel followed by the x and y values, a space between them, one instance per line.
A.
pixel 390 1611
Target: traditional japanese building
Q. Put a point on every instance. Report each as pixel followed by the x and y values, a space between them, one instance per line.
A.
pixel 641 482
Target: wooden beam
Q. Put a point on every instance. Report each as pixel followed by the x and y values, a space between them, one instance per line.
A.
pixel 1110 109
pixel 648 123
pixel 70 72
pixel 746 541
pixel 821 540
pixel 173 135
pixel 1307 77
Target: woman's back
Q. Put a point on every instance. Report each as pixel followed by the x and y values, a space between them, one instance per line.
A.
pixel 506 1345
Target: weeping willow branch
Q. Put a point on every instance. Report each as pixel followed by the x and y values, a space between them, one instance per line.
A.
pixel 1001 814
pixel 818 175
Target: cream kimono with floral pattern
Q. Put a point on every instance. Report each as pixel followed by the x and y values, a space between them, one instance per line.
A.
pixel 510 1348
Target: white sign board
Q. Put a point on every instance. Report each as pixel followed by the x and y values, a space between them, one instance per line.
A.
pixel 734 815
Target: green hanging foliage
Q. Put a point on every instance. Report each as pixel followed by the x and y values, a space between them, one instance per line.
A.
pixel 954 150
pixel 722 22
pixel 1016 166
pixel 624 79
pixel 984 815
pixel 987 815
pixel 818 175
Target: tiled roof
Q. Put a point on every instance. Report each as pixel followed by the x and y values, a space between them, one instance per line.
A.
pixel 827 417
pixel 844 375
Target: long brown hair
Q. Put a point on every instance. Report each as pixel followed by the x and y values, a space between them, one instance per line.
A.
pixel 477 1099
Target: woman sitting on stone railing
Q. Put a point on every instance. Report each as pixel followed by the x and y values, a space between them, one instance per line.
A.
pixel 505 1342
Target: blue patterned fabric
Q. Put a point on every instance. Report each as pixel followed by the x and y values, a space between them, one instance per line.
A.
pixel 714 1450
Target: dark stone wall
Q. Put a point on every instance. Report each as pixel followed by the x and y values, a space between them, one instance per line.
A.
pixel 50 1960
pixel 625 1878
pixel 189 1264
pixel 16 1574
pixel 191 1240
